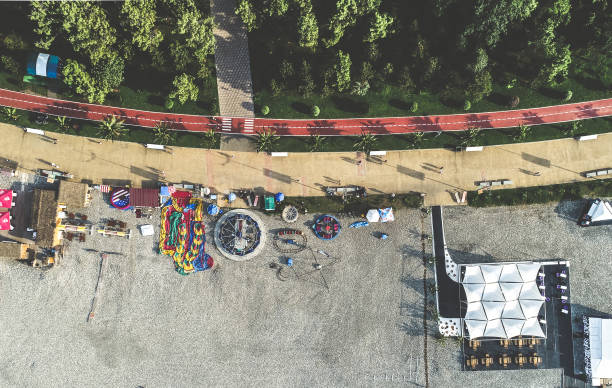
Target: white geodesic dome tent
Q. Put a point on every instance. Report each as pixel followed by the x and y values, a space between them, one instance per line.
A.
pixel 503 300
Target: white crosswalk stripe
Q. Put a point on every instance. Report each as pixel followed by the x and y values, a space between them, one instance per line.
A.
pixel 248 125
pixel 226 124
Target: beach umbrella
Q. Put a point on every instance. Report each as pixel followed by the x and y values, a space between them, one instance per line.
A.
pixel 278 197
pixel 231 197
pixel 213 209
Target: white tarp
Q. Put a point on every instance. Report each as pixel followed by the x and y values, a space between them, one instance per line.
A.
pixel 386 214
pixel 512 310
pixel 373 215
pixel 511 290
pixel 41 64
pixel 513 327
pixel 493 310
pixel 530 291
pixel 491 273
pixel 473 274
pixel 532 328
pixel 600 343
pixel 475 328
pixel 531 308
pixel 475 311
pixel 529 271
pixel 492 292
pixel 495 329
pixel 510 273
pixel 473 291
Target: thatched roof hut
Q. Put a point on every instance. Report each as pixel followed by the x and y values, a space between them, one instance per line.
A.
pixel 44 212
pixel 74 195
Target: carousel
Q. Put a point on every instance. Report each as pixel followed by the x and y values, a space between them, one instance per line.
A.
pixel 239 235
pixel 326 227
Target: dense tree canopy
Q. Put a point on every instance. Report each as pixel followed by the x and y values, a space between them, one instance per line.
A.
pixel 100 39
pixel 456 48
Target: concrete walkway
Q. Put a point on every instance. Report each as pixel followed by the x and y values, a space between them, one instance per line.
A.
pixel 234 81
pixel 305 174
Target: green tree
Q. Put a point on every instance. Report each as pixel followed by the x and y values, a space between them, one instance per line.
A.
pixel 111 128
pixel 184 89
pixel 316 143
pixel 470 137
pixel 415 139
pixel 378 26
pixel 306 83
pixel 308 30
pixel 265 110
pixel 365 142
pixel 139 17
pixel 162 134
pixel 467 105
pixel 244 9
pixel 523 133
pixel 481 87
pixel 266 141
pixel 210 139
pixel 80 82
pixel 315 111
pixel 342 69
pixel 345 16
pixel 481 61
pixel 108 73
pixel 276 7
pixel 360 88
pixel 197 32
pixel 414 106
pixel 44 15
pixel 87 29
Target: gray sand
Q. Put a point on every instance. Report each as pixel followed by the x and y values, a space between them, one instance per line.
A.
pixel 240 325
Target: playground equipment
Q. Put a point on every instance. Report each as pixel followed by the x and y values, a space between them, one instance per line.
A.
pixel 182 234
pixel 120 198
pixel 290 213
pixel 119 232
pixel 289 241
pixel 239 235
pixel 326 227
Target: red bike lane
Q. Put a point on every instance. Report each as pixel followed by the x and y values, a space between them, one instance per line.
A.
pixel 327 127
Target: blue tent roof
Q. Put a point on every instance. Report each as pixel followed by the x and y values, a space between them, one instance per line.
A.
pixel 44 65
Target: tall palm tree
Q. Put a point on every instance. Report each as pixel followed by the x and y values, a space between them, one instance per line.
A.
pixel 523 133
pixel 415 139
pixel 316 143
pixel 470 137
pixel 111 128
pixel 266 140
pixel 10 113
pixel 366 142
pixel 210 138
pixel 63 123
pixel 162 134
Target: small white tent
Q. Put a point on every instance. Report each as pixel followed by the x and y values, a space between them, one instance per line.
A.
pixel 513 310
pixel 475 311
pixel 600 212
pixel 530 291
pixel 493 309
pixel 513 327
pixel 511 290
pixel 531 308
pixel 528 271
pixel 532 328
pixel 475 328
pixel 495 329
pixel 492 292
pixel 473 291
pixel 473 274
pixel 510 273
pixel 491 272
pixel 373 215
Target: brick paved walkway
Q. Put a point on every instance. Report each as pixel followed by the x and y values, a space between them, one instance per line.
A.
pixel 234 81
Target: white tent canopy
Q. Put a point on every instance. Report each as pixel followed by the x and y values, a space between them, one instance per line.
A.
pixel 511 290
pixel 503 296
pixel 510 273
pixel 531 308
pixel 600 211
pixel 373 215
pixel 600 344
pixel 473 291
pixel 532 328
pixel 476 328
pixel 492 292
pixel 512 310
pixel 475 311
pixel 495 329
pixel 528 271
pixel 491 273
pixel 493 309
pixel 513 327
pixel 473 274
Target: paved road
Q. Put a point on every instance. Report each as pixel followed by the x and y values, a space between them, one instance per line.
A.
pixel 306 173
pixel 328 127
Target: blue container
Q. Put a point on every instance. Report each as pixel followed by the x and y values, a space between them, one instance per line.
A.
pixel 289 261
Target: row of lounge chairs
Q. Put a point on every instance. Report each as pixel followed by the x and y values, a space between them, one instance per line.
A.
pixel 504 360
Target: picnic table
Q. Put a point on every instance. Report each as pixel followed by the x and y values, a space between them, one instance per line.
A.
pixel 505 360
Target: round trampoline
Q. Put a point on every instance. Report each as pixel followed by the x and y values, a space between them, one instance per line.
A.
pixel 326 227
pixel 120 198
pixel 239 235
